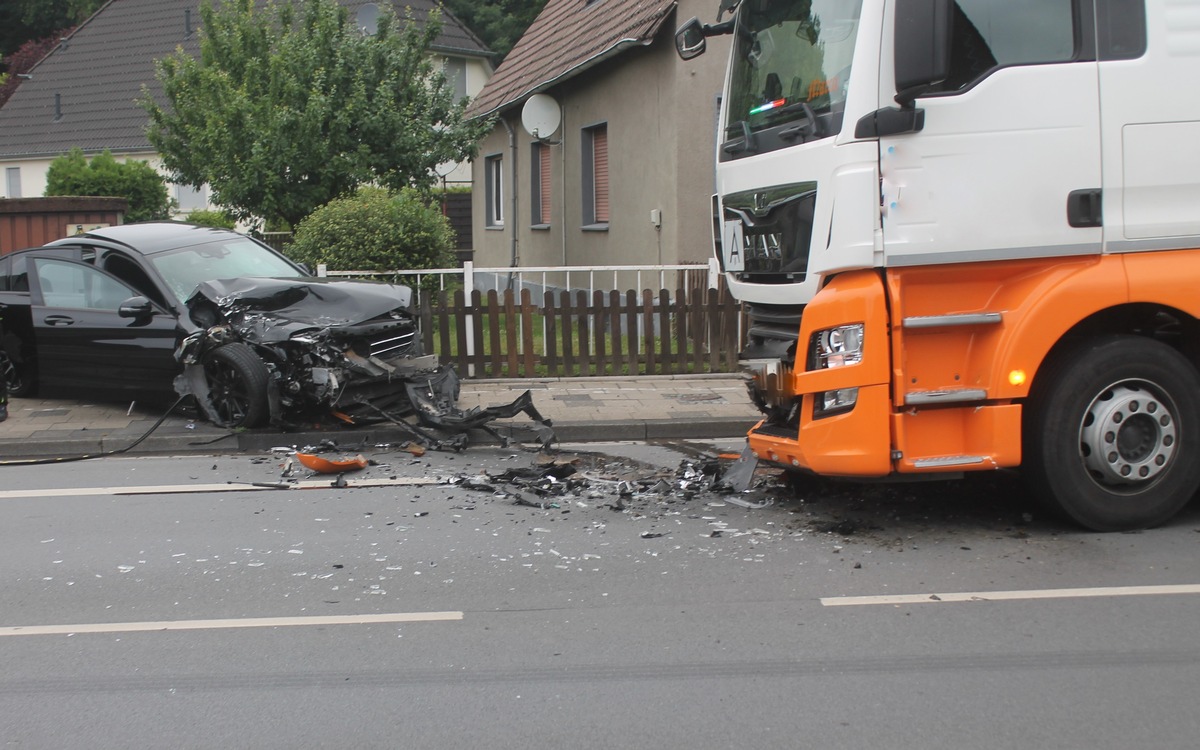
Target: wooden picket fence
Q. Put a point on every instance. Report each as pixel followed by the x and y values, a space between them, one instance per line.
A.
pixel 569 334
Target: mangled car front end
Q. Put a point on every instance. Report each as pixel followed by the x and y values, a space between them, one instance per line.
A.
pixel 318 347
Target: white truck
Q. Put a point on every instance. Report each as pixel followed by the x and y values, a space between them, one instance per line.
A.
pixel 966 234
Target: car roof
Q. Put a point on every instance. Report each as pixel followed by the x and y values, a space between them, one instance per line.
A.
pixel 153 237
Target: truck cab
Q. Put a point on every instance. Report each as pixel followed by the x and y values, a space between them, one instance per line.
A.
pixel 933 208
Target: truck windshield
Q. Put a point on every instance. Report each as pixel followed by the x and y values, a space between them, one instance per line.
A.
pixel 791 61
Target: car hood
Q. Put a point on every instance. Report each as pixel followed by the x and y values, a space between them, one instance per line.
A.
pixel 277 309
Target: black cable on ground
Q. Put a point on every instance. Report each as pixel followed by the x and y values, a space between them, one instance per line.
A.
pixel 102 454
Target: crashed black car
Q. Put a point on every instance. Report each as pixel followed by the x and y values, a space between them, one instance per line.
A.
pixel 152 311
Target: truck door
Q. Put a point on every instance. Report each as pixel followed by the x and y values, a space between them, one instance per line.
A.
pixel 1008 161
pixel 1150 128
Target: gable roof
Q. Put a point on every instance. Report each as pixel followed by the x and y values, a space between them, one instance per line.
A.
pixel 567 38
pixel 97 75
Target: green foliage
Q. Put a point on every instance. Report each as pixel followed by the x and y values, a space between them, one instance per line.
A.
pixel 497 23
pixel 290 106
pixel 375 230
pixel 25 20
pixel 73 174
pixel 207 218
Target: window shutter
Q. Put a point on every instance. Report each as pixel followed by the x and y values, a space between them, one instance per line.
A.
pixel 600 172
pixel 544 183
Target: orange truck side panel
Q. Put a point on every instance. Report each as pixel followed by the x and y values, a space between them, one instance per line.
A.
pixel 973 366
pixel 992 433
pixel 857 443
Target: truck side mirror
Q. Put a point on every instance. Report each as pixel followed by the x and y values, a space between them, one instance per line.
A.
pixel 689 39
pixel 923 33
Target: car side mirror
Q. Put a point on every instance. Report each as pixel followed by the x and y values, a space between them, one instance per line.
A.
pixel 136 307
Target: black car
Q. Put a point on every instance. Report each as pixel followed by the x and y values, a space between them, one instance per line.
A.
pixel 151 311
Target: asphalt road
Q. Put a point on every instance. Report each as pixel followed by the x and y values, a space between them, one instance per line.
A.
pixel 409 612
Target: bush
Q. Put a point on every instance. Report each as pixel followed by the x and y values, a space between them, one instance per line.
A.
pixel 207 218
pixel 375 230
pixel 72 174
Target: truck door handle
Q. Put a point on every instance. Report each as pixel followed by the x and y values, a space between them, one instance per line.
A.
pixel 1085 208
pixel 59 320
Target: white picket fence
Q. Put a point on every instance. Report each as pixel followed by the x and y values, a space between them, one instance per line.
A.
pixel 539 279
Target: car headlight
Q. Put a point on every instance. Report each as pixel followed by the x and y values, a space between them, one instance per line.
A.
pixel 836 347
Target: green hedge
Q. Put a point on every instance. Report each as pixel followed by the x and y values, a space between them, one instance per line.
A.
pixel 375 230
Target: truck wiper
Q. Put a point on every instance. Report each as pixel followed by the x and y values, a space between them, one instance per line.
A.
pixel 747 143
pixel 811 126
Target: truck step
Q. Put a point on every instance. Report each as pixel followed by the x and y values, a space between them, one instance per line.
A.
pixel 945 462
pixel 950 321
pixel 944 396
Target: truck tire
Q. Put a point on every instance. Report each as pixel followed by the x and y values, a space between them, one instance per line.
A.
pixel 1112 433
pixel 237 386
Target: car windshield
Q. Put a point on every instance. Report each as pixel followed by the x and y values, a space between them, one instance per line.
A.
pixel 186 267
pixel 791 59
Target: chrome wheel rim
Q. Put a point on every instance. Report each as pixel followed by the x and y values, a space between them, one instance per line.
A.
pixel 1129 435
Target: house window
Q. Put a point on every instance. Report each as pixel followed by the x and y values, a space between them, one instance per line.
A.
pixel 595 176
pixel 190 199
pixel 539 184
pixel 12 180
pixel 493 167
pixel 455 70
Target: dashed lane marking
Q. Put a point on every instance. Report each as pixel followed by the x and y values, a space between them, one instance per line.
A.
pixel 260 622
pixel 996 596
pixel 175 489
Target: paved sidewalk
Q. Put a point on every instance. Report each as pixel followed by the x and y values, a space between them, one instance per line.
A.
pixel 582 409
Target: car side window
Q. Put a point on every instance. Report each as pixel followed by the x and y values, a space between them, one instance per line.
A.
pixel 18 278
pixel 127 270
pixel 72 285
pixel 989 35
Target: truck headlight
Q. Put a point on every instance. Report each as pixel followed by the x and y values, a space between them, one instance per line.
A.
pixel 836 347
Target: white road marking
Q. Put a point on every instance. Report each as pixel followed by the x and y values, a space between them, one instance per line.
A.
pixel 995 596
pixel 175 489
pixel 261 622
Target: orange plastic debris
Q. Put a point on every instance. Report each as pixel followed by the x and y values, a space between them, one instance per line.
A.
pixel 414 449
pixel 326 466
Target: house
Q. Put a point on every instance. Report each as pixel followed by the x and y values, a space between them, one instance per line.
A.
pixel 627 175
pixel 85 92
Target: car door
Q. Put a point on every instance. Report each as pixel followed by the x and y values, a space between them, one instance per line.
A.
pixel 85 347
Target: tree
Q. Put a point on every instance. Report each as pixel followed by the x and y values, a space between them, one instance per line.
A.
pixel 375 230
pixel 21 61
pixel 288 108
pixel 73 174
pixel 497 23
pixel 46 20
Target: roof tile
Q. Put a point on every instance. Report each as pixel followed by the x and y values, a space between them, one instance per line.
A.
pixel 567 37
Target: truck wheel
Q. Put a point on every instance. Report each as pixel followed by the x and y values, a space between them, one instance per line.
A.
pixel 237 386
pixel 1112 433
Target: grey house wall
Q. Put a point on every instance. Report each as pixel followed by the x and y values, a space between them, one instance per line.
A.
pixel 661 115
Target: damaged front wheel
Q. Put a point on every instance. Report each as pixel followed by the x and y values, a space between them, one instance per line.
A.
pixel 237 386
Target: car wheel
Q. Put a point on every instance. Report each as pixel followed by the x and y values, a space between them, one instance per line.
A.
pixel 1112 432
pixel 20 379
pixel 237 386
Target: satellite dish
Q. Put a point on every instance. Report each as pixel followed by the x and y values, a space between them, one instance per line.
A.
pixel 367 19
pixel 541 116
